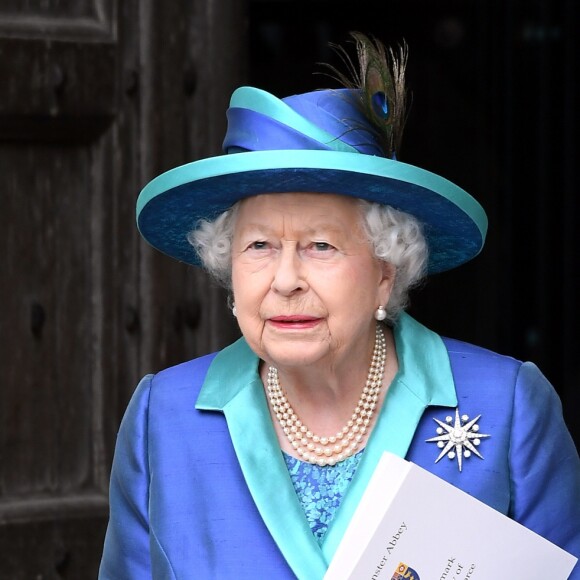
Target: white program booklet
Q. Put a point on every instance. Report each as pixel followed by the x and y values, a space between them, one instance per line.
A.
pixel 413 525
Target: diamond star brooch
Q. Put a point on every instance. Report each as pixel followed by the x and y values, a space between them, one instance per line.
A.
pixel 459 438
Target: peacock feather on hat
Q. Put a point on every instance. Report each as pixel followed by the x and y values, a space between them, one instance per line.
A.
pixel 379 83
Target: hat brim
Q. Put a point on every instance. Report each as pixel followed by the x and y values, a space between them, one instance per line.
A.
pixel 170 206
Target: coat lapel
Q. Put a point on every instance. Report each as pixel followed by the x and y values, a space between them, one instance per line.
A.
pixel 424 378
pixel 233 387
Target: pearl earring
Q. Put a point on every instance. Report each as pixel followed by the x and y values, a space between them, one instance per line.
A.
pixel 380 313
pixel 234 311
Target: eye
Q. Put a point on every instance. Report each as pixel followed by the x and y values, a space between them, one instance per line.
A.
pixel 322 246
pixel 258 245
pixel 320 250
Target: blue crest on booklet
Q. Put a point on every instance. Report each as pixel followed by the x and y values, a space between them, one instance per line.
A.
pixel 403 572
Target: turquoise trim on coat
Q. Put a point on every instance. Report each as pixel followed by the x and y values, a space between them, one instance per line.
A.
pixel 424 378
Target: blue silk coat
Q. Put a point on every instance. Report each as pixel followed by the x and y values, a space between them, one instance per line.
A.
pixel 199 487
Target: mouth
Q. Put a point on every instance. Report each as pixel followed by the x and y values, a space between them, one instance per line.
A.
pixel 294 321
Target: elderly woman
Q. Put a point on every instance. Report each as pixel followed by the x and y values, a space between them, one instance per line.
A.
pixel 249 463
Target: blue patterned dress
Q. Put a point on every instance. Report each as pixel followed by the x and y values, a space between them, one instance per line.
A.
pixel 321 489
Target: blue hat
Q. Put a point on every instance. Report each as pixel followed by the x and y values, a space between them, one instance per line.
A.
pixel 318 142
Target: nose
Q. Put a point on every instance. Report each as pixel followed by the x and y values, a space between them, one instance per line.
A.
pixel 289 275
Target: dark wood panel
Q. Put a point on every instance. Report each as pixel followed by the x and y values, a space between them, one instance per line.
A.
pixel 189 82
pixel 53 8
pixel 58 19
pixel 56 90
pixel 52 550
pixel 45 432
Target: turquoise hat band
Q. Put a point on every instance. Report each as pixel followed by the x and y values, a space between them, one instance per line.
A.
pixel 272 123
pixel 320 120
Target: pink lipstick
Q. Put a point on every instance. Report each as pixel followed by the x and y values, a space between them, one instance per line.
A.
pixel 294 321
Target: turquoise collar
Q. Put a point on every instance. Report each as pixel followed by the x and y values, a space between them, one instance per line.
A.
pixel 233 386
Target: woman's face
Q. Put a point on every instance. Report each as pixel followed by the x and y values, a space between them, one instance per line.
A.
pixel 306 284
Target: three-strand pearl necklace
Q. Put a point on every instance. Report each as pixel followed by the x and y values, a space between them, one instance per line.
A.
pixel 330 450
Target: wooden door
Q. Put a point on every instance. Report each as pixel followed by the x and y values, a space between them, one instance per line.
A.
pixel 96 97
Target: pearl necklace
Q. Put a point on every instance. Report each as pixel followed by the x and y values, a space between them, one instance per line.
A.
pixel 330 450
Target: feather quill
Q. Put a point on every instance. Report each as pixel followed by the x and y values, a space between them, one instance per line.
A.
pixel 379 81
